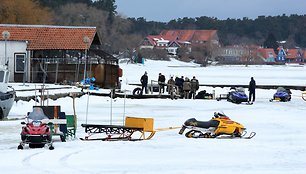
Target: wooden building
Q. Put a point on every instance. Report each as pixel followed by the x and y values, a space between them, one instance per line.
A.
pixel 54 54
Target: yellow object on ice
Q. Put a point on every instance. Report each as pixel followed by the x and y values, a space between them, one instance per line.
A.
pixel 227 126
pixel 147 124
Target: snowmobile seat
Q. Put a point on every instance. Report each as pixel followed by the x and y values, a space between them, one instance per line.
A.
pixel 201 124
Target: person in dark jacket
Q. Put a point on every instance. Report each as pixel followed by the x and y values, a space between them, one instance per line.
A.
pixel 161 83
pixel 179 83
pixel 186 87
pixel 252 87
pixel 144 83
pixel 194 87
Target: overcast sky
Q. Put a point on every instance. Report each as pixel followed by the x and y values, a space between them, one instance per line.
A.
pixel 166 10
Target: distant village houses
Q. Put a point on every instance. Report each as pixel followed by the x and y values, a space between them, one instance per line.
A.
pixel 172 40
pixel 238 54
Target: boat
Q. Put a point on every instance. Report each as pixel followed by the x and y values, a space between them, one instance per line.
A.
pixel 7 93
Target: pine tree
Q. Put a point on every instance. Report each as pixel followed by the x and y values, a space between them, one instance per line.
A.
pixel 271 42
pixel 107 5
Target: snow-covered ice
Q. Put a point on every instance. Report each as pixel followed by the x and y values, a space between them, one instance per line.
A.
pixel 279 146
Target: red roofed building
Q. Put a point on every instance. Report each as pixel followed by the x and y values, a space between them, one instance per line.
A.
pixel 51 37
pixel 304 56
pixel 267 54
pixel 32 50
pixel 294 55
pixel 173 39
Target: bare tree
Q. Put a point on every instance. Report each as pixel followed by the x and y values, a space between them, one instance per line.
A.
pixel 23 12
pixel 79 14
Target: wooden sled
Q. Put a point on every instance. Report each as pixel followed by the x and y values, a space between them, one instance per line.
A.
pixel 121 133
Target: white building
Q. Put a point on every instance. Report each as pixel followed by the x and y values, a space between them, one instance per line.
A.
pixel 17 54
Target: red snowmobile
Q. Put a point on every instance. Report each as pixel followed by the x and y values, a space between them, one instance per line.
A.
pixel 36 131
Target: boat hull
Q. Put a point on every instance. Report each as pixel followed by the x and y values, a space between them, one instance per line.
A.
pixel 6 103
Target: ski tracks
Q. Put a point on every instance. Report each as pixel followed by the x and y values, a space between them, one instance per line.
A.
pixel 28 159
pixel 64 163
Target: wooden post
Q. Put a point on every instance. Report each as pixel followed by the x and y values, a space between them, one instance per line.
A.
pixel 56 72
pixel 73 95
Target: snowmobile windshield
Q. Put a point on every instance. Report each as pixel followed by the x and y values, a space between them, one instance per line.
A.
pixel 37 114
pixel 280 89
pixel 220 115
pixel 240 90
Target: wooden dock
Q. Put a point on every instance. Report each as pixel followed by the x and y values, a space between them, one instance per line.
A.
pixel 293 87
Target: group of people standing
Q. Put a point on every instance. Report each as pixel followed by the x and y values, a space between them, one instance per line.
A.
pixel 184 87
pixel 187 88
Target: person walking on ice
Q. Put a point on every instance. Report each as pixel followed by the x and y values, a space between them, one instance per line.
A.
pixel 252 87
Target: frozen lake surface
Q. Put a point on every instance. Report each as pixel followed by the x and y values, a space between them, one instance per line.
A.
pixel 279 146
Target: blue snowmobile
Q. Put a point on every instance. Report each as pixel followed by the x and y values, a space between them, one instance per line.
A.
pixel 237 96
pixel 282 95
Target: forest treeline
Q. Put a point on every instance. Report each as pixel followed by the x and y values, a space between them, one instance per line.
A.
pixel 119 33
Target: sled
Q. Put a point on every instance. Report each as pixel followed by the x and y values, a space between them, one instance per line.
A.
pixel 222 97
pixel 133 126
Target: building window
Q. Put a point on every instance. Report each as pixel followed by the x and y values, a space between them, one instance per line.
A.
pixel 19 62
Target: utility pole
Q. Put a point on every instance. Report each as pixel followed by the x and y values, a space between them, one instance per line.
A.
pixel 86 40
pixel 6 35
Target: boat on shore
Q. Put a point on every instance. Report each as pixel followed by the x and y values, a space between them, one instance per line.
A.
pixel 7 93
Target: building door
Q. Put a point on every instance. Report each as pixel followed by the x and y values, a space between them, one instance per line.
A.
pixel 20 67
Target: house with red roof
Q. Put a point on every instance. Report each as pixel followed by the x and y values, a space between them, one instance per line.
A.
pixel 33 52
pixel 304 55
pixel 174 39
pixel 294 55
pixel 266 54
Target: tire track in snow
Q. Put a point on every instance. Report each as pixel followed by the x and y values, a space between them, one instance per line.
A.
pixel 27 162
pixel 63 162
